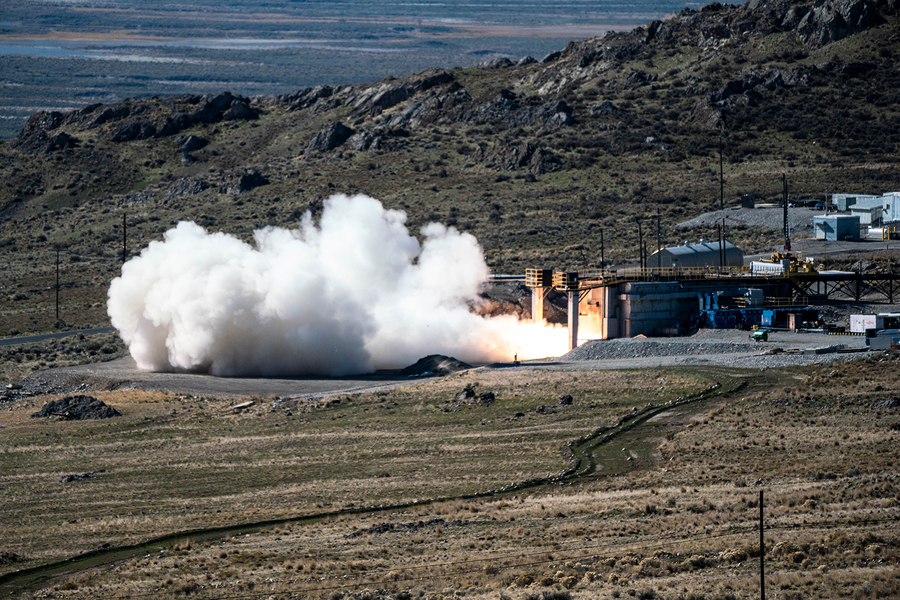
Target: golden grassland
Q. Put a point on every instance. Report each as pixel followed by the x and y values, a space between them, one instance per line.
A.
pixel 670 512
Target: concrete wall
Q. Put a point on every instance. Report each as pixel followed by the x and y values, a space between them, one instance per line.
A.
pixel 637 308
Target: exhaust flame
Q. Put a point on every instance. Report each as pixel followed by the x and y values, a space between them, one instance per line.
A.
pixel 350 295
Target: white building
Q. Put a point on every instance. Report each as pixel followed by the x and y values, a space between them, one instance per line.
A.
pixel 836 227
pixel 868 210
pixel 890 207
pixel 843 202
pixel 709 254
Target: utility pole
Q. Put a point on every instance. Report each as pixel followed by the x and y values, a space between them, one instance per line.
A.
pixel 658 242
pixel 57 286
pixel 721 176
pixel 124 238
pixel 722 242
pixel 719 235
pixel 602 256
pixel 762 552
pixel 640 243
pixel 787 235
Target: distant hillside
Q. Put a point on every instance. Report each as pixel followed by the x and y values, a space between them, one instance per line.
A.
pixel 538 159
pixel 65 54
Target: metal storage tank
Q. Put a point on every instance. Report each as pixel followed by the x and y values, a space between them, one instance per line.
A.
pixel 836 227
pixel 696 255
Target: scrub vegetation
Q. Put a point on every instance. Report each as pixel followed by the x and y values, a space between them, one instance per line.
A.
pixel 670 511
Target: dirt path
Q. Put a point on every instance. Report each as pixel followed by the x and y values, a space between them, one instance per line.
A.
pixel 592 455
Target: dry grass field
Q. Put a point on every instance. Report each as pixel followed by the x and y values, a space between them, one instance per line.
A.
pixel 670 511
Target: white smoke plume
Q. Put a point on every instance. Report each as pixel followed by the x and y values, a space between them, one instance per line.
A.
pixel 350 295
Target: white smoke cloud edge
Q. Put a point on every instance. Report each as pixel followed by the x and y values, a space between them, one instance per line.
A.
pixel 349 295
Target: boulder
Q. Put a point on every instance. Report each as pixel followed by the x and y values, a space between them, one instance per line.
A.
pixel 238 182
pixel 551 57
pixel 77 408
pixel 305 97
pixel 77 477
pixel 486 398
pixel 37 135
pixel 506 154
pixel 238 110
pixel 190 142
pixel 391 92
pixel 604 109
pixel 114 112
pixel 639 78
pixel 129 132
pixel 329 138
pixel 185 187
pixel 465 394
pixel 544 161
pixel 501 62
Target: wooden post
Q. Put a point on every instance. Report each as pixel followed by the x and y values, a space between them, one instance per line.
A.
pixel 787 235
pixel 722 244
pixel 762 552
pixel 57 287
pixel 602 253
pixel 641 243
pixel 124 238
pixel 721 176
pixel 658 242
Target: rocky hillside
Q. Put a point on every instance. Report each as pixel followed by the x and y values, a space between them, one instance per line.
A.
pixel 540 159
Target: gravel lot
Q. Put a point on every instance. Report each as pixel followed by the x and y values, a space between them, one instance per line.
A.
pixel 726 347
pixel 765 218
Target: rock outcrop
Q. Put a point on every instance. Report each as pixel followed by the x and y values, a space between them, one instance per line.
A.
pixel 131 119
pixel 329 138
pixel 815 25
pixel 186 187
pixel 240 181
pixel 511 154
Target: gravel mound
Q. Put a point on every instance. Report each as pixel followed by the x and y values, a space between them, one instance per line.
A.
pixel 77 408
pixel 763 218
pixel 435 364
pixel 648 348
